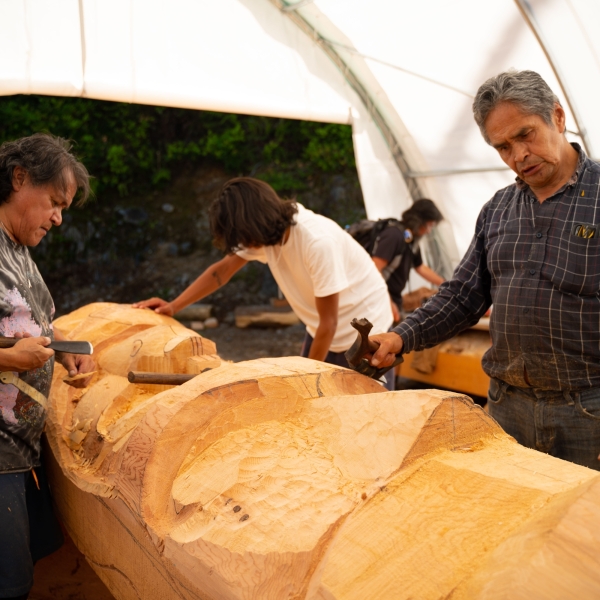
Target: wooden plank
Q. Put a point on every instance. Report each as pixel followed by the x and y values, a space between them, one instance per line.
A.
pixel 194 312
pixel 458 365
pixel 265 316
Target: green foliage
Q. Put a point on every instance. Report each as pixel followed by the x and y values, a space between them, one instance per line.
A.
pixel 329 147
pixel 142 157
pixel 133 149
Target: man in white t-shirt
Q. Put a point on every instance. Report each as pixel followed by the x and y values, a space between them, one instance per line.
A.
pixel 326 276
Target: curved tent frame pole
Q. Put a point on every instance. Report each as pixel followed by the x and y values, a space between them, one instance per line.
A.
pixel 529 16
pixel 361 90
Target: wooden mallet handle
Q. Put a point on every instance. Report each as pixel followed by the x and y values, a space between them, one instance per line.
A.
pixel 159 378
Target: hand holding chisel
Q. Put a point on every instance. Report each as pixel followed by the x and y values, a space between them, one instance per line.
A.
pixel 26 353
pixel 62 346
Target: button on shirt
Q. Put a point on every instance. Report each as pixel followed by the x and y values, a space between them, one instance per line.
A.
pixel 539 264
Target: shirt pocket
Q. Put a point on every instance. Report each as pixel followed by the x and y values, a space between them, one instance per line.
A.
pixel 578 266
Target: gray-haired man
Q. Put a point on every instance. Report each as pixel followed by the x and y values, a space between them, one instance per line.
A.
pixel 39 178
pixel 535 256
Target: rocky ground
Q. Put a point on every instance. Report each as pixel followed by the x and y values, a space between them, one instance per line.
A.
pixel 245 344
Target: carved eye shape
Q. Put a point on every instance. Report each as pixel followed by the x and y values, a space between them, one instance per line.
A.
pixel 137 345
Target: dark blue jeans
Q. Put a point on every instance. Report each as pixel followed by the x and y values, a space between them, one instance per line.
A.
pixel 562 424
pixel 28 530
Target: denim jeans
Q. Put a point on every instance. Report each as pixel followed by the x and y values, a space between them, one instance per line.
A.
pixel 562 424
pixel 28 529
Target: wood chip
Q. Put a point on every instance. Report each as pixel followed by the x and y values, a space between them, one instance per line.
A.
pixel 79 376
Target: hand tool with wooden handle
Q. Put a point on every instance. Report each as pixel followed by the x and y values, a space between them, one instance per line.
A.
pixel 66 346
pixel 356 354
pixel 159 378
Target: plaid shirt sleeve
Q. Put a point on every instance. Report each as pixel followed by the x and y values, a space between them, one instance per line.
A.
pixel 462 301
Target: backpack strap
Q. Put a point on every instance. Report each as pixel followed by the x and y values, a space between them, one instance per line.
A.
pixel 391 266
pixel 385 223
pixel 389 269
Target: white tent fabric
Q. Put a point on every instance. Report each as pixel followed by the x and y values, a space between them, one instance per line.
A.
pixel 402 73
pixel 568 31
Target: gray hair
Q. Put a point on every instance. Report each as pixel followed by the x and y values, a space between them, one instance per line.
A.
pixel 47 160
pixel 525 88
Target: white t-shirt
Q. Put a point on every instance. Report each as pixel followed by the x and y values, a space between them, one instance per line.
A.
pixel 320 259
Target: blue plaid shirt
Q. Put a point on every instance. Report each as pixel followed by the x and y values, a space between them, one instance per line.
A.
pixel 539 264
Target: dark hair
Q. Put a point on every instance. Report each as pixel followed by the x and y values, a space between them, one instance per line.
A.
pixel 47 159
pixel 420 213
pixel 248 212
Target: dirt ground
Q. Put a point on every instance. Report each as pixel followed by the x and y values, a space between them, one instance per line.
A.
pixel 66 575
pixel 245 344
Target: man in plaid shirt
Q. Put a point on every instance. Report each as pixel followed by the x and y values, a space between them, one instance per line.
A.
pixel 535 256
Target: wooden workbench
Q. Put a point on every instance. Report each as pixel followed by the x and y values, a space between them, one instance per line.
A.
pixel 458 363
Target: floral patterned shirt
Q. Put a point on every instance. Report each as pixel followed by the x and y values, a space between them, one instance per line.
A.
pixel 25 307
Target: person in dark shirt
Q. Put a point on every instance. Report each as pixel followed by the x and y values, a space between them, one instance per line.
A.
pixel 535 256
pixel 396 250
pixel 39 178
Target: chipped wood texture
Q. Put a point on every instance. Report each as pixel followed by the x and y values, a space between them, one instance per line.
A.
pixel 289 478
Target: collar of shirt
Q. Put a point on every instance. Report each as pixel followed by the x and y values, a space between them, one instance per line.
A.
pixel 521 185
pixel 18 248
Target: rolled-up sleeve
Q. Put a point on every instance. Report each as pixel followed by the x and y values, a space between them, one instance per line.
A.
pixel 460 302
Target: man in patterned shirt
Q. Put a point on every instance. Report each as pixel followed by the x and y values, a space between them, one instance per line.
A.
pixel 535 256
pixel 39 178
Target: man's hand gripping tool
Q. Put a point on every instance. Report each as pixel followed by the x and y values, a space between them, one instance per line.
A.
pixel 8 377
pixel 356 354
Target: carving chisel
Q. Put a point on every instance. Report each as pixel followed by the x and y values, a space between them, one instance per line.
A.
pixel 66 346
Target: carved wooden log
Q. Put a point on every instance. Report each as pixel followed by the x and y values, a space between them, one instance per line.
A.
pixel 289 478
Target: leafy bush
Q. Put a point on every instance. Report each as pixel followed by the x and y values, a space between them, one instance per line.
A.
pixel 131 149
pixel 125 245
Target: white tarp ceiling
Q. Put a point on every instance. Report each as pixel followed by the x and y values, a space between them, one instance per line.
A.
pixel 402 73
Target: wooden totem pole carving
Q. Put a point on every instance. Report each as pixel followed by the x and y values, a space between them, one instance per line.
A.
pixel 293 479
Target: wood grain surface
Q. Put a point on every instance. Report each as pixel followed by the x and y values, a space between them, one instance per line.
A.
pixel 288 478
